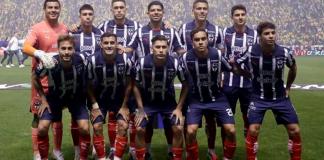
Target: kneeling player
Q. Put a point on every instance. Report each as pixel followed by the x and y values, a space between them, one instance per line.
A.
pixel 154 93
pixel 268 62
pixel 66 88
pixel 204 65
pixel 110 88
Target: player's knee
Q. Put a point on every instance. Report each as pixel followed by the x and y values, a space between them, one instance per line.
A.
pixel 177 131
pixel 140 131
pixel 122 127
pixel 294 130
pixel 42 130
pixel 229 130
pixel 98 128
pixel 254 130
pixel 84 129
pixel 191 131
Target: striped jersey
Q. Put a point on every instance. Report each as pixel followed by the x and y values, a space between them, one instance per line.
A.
pixel 235 45
pixel 65 83
pixel 268 71
pixel 109 79
pixel 156 83
pixel 205 74
pixel 215 38
pixel 143 36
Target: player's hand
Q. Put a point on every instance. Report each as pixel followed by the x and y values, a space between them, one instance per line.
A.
pixel 168 25
pixel 124 111
pixel 178 115
pixel 121 49
pixel 287 92
pixel 46 59
pixel 44 105
pixel 95 113
pixel 139 116
pixel 74 28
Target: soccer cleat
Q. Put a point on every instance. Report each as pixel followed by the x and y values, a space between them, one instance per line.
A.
pixel 148 156
pixel 211 156
pixel 8 66
pixel 37 156
pixel 170 156
pixel 94 152
pixel 21 66
pixel 1 65
pixel 12 65
pixel 111 155
pixel 132 155
pixel 76 153
pixel 58 155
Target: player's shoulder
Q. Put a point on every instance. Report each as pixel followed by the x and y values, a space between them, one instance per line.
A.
pixel 96 30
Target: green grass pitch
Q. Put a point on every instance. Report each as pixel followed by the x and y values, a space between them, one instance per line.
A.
pixel 15 120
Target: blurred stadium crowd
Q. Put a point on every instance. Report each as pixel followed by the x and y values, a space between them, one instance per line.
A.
pixel 299 22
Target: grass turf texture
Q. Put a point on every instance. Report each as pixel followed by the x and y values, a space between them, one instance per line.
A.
pixel 15 121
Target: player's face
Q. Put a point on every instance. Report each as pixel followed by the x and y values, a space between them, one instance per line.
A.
pixel 200 41
pixel 66 50
pixel 268 36
pixel 155 13
pixel 52 10
pixel 86 17
pixel 200 11
pixel 109 45
pixel 239 17
pixel 119 10
pixel 160 50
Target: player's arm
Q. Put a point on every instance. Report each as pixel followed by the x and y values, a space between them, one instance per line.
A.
pixel 133 44
pixel 36 75
pixel 178 46
pixel 291 64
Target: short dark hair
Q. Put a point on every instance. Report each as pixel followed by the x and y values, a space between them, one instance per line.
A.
pixel 199 1
pixel 85 7
pixel 65 37
pixel 108 34
pixel 265 25
pixel 46 1
pixel 158 3
pixel 113 1
pixel 196 30
pixel 159 38
pixel 238 7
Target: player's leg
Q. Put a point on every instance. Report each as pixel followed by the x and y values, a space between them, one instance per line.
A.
pixel 75 138
pixel 168 132
pixel 121 138
pixel 255 115
pixel 177 136
pixel 84 138
pixel 132 136
pixel 149 130
pixel 286 114
pixel 112 130
pixel 98 137
pixel 210 130
pixel 194 116
pixel 245 98
pixel 140 138
pixel 34 134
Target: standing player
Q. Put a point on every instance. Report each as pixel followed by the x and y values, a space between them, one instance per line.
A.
pixel 41 40
pixel 215 39
pixel 204 65
pixel 142 39
pixel 268 61
pixel 110 87
pixel 66 87
pixel 155 93
pixel 237 40
pixel 86 39
pixel 124 28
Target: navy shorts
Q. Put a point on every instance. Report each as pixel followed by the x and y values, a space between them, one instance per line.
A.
pixel 164 110
pixel 282 109
pixel 235 93
pixel 78 111
pixel 218 108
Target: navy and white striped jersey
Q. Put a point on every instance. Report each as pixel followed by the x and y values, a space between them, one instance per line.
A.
pixel 268 71
pixel 205 74
pixel 235 46
pixel 156 83
pixel 124 33
pixel 109 79
pixel 63 83
pixel 87 43
pixel 215 38
pixel 143 36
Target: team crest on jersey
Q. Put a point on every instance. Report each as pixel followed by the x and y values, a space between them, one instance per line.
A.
pixel 280 63
pixel 250 41
pixel 214 67
pixel 170 74
pixel 210 37
pixel 130 31
pixel 120 69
